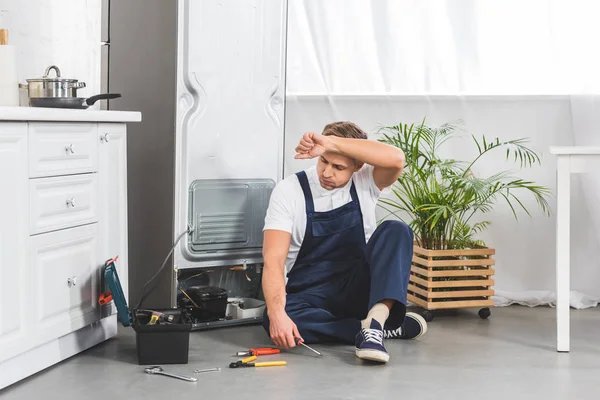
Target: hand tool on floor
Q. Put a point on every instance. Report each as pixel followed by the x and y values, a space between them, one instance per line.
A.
pixel 299 341
pixel 247 362
pixel 263 351
pixel 199 371
pixel 239 364
pixel 159 371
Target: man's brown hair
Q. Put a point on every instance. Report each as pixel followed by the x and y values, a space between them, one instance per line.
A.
pixel 344 129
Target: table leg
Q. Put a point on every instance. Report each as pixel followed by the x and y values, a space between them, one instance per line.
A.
pixel 563 243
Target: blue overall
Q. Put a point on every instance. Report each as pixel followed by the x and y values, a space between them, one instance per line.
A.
pixel 337 277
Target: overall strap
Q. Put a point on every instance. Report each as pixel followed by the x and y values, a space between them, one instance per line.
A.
pixel 353 193
pixel 308 199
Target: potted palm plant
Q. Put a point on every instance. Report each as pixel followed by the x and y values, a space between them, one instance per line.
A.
pixel 441 199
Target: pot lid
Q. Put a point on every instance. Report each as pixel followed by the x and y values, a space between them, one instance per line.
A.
pixel 46 78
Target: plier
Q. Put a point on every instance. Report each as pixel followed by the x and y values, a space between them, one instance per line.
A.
pixel 263 351
pixel 247 362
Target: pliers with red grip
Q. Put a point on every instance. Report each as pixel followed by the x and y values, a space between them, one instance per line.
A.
pixel 263 351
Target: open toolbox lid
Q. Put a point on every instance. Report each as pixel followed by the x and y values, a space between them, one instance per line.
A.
pixel 111 278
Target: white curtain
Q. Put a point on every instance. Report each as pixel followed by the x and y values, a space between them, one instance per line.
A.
pixel 443 47
pixel 514 68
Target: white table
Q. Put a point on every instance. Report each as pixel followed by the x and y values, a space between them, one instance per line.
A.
pixel 570 160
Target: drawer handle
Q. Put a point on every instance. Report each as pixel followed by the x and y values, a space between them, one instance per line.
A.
pixel 69 149
pixel 104 138
pixel 72 281
pixel 71 202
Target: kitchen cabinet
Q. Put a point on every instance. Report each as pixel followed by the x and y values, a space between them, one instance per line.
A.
pixel 112 173
pixel 14 231
pixel 63 213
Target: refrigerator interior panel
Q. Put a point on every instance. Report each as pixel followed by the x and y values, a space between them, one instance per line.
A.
pixel 230 101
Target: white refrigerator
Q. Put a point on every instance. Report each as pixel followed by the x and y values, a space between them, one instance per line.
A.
pixel 209 79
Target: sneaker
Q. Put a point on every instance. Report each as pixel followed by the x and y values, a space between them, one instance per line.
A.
pixel 414 326
pixel 369 344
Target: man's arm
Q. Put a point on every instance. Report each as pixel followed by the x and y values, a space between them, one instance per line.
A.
pixel 276 245
pixel 388 160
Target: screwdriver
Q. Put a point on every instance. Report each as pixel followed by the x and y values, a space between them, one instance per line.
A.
pixel 299 341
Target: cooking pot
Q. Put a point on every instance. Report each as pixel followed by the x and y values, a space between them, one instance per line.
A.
pixel 46 86
pixel 60 92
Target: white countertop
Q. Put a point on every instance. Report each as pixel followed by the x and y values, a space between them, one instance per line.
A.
pixel 579 150
pixel 65 114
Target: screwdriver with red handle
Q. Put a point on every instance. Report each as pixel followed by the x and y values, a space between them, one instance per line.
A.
pixel 263 351
pixel 301 342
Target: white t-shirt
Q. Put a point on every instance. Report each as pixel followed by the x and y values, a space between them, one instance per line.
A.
pixel 287 210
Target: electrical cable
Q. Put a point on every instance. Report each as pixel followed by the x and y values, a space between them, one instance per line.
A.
pixel 142 295
pixel 188 296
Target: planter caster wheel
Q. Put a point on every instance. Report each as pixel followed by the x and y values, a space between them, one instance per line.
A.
pixel 484 313
pixel 428 315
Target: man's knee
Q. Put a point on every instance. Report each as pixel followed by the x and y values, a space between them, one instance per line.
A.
pixel 397 229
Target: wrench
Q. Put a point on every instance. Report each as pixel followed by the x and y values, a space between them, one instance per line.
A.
pixel 159 371
pixel 199 371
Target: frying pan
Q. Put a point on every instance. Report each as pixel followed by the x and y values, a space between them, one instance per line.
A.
pixel 70 102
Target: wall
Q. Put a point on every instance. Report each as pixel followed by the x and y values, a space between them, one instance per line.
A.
pixel 525 249
pixel 64 33
pixel 67 33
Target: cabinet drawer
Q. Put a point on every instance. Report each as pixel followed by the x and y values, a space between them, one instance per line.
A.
pixel 64 292
pixel 62 149
pixel 63 202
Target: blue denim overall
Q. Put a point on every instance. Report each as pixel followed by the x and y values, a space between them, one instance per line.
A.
pixel 337 277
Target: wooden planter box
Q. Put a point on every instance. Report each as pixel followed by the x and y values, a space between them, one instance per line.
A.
pixel 446 279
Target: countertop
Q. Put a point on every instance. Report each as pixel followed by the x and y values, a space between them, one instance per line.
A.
pixel 575 150
pixel 68 115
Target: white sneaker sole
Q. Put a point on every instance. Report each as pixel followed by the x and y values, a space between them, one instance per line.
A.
pixel 421 322
pixel 373 355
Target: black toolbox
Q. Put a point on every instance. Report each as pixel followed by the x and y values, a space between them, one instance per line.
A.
pixel 162 335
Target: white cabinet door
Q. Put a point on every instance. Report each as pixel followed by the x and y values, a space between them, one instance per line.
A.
pixel 65 266
pixel 112 171
pixel 15 285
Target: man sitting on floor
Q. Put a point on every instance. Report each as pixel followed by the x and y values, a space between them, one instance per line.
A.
pixel 347 278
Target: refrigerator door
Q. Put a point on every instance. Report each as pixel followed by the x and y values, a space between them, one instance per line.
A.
pixel 230 100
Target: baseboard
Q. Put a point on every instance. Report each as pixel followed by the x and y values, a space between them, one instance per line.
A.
pixel 51 353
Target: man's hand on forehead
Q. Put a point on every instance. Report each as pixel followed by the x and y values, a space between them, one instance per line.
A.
pixel 312 145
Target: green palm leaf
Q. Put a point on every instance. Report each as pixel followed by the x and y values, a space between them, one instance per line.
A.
pixel 441 195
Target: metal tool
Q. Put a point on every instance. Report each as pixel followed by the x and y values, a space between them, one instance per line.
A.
pixel 159 371
pixel 299 341
pixel 240 364
pixel 263 351
pixel 247 362
pixel 199 371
